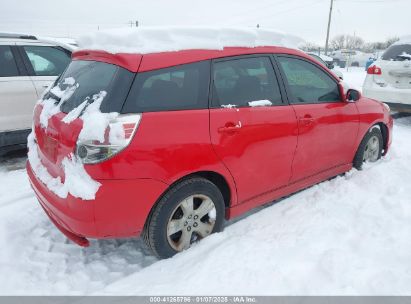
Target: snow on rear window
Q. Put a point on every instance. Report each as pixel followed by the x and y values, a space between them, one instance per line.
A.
pixel 397 52
pixel 164 39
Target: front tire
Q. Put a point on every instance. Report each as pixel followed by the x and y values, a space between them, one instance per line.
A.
pixel 370 149
pixel 189 211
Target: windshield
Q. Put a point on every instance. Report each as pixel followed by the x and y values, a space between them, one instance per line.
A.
pixel 90 78
pixel 400 52
pixel 318 58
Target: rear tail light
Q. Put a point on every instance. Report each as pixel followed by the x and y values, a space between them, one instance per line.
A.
pixel 374 70
pixel 118 136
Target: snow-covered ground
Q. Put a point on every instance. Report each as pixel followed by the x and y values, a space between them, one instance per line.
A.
pixel 354 77
pixel 350 235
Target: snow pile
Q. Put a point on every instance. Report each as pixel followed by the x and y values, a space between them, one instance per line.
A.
pixel 52 106
pixel 145 40
pixel 54 184
pixel 77 182
pixel 95 122
pixel 405 55
pixel 260 103
pixel 229 106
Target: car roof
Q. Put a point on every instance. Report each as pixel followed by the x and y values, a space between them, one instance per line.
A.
pixel 23 39
pixel 154 61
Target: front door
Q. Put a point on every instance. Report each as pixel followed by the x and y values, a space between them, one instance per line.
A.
pixel 252 131
pixel 44 63
pixel 17 93
pixel 327 125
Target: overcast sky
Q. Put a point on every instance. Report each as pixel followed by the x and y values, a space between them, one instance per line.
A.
pixel 373 20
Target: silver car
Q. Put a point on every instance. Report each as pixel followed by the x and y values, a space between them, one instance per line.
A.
pixel 28 65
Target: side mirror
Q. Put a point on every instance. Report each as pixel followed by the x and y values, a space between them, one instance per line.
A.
pixel 330 65
pixel 353 95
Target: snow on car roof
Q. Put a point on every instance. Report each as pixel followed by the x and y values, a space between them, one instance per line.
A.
pixel 145 40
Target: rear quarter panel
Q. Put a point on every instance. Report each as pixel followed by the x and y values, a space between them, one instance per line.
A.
pixel 166 147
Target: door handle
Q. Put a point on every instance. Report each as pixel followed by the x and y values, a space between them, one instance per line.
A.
pixel 230 127
pixel 306 120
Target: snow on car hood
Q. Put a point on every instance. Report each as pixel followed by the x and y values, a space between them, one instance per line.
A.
pixel 164 39
pixel 77 181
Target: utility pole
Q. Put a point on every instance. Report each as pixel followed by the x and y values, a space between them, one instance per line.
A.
pixel 328 28
pixel 133 23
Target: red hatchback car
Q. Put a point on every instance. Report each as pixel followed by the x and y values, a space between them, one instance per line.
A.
pixel 179 141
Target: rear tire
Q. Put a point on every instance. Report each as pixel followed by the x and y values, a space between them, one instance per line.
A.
pixel 370 148
pixel 189 211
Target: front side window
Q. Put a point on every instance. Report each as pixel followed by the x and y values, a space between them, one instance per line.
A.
pixel 8 67
pixel 239 82
pixel 182 87
pixel 47 60
pixel 308 83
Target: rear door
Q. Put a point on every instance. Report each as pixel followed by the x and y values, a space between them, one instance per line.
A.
pixel 252 131
pixel 44 63
pixel 17 93
pixel 327 125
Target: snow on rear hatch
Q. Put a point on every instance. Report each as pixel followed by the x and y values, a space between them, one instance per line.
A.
pixel 81 109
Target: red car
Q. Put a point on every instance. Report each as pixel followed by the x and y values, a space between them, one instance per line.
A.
pixel 205 135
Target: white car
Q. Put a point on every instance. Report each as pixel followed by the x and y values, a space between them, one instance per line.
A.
pixel 389 78
pixel 28 65
pixel 328 62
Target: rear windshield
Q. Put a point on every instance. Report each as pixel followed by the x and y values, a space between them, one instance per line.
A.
pixel 93 77
pixel 400 52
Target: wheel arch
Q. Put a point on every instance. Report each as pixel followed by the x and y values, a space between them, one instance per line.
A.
pixel 385 134
pixel 216 178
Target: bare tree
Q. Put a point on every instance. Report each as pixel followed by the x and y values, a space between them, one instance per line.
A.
pixel 310 47
pixel 354 42
pixel 338 42
pixel 347 42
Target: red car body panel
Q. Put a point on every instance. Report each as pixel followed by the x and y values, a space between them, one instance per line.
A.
pixel 326 138
pixel 119 209
pixel 259 153
pixel 262 153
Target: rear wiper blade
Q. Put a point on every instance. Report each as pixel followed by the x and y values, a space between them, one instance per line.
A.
pixel 53 96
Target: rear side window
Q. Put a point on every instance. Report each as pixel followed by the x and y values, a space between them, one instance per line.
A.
pixel 181 87
pixel 400 52
pixel 47 60
pixel 308 83
pixel 240 81
pixel 8 67
pixel 93 77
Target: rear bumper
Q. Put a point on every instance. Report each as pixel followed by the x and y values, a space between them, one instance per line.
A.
pixel 388 95
pixel 119 210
